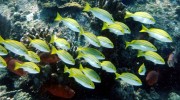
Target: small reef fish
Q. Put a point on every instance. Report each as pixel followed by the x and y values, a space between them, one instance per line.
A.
pixel 48 58
pixel 84 81
pixel 91 74
pixel 92 60
pixel 92 51
pixel 142 69
pixel 158 34
pixel 59 90
pixel 142 17
pixel 64 56
pixel 108 67
pixel 79 77
pixel 92 39
pixel 40 45
pixel 152 56
pixel 142 45
pixel 14 46
pixel 99 13
pixel 32 56
pixel 114 28
pixel 11 65
pixel 70 23
pixel 172 59
pixel 152 78
pixel 60 42
pixel 105 42
pixel 2 63
pixel 29 67
pixel 129 78
pixel 3 51
pixel 125 27
pixel 72 71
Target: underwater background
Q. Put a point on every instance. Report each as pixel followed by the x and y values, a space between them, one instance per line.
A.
pixel 128 74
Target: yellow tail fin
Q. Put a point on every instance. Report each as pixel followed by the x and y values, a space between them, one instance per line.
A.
pixel 127 44
pixel 58 17
pixel 80 55
pixel 144 29
pixel 140 53
pixel 105 26
pixel 54 50
pixel 81 31
pixel 128 14
pixel 117 75
pixel 81 67
pixel 17 65
pixel 87 7
pixel 53 38
pixel 1 39
pixel 66 69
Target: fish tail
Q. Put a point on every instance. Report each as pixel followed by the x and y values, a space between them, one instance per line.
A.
pixel 80 67
pixel 54 50
pixel 1 39
pixel 79 55
pixel 58 17
pixel 140 53
pixel 105 25
pixel 117 75
pixel 66 69
pixel 144 29
pixel 87 7
pixel 78 48
pixel 17 65
pixel 81 31
pixel 53 38
pixel 127 44
pixel 128 14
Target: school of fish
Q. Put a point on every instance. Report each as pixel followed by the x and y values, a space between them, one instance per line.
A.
pixel 83 75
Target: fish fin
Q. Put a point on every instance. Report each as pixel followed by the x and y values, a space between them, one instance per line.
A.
pixel 1 39
pixel 66 69
pixel 117 75
pixel 140 53
pixel 87 7
pixel 105 25
pixel 17 65
pixel 81 67
pixel 81 31
pixel 71 75
pixel 53 38
pixel 54 50
pixel 128 14
pixel 127 44
pixel 58 17
pixel 78 48
pixel 144 29
pixel 79 55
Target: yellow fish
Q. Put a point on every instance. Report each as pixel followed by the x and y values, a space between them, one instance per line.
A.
pixel 151 56
pixel 70 23
pixel 14 46
pixel 142 69
pixel 142 17
pixel 129 78
pixel 99 13
pixel 158 34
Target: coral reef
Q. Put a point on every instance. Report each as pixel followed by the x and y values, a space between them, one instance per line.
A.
pixel 173 96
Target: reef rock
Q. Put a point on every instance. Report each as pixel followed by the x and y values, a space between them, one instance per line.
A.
pixel 173 96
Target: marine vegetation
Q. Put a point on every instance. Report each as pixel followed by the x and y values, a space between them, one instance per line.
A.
pixel 80 62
